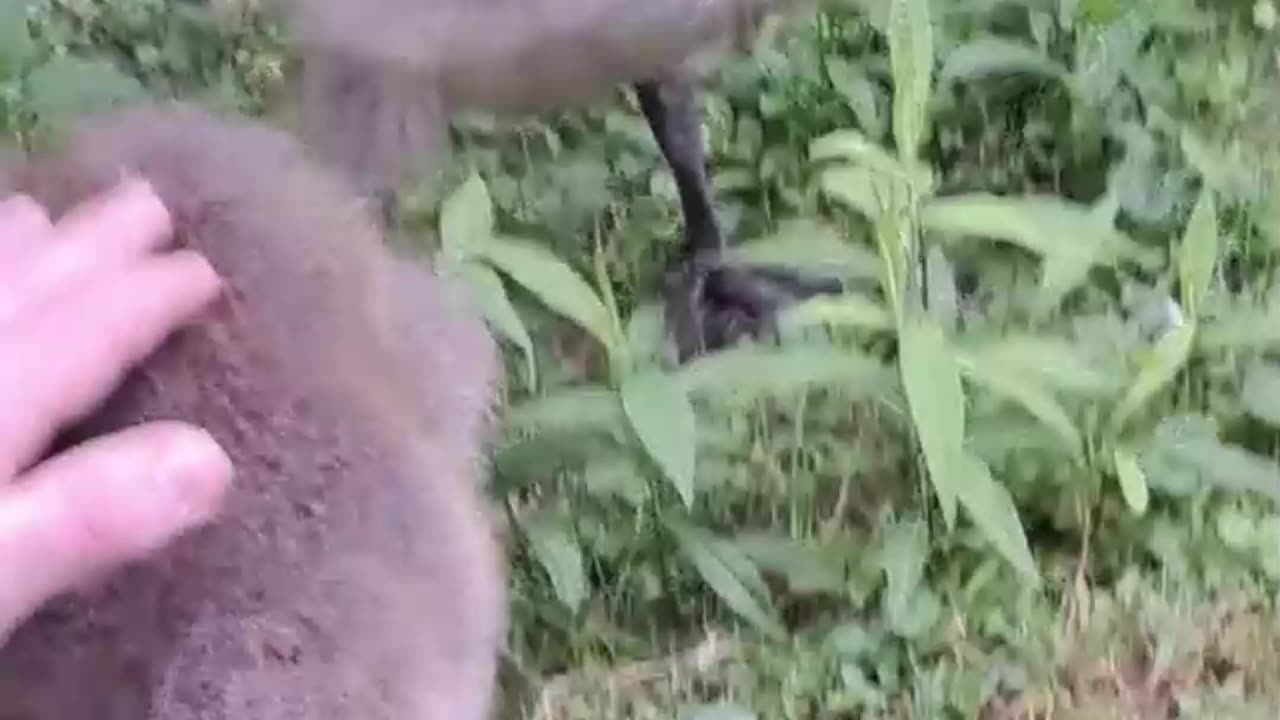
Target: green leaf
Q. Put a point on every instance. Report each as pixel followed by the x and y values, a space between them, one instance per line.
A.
pixel 1198 254
pixel 855 148
pixel 16 46
pixel 729 574
pixel 808 245
pixel 553 544
pixel 1045 225
pixel 858 188
pixel 992 55
pixel 1052 361
pixel 911 58
pixel 902 557
pixel 664 422
pixel 568 410
pixel 1023 389
pixel 646 334
pixel 67 86
pixel 848 310
pixel 466 219
pixel 557 285
pixel 1261 392
pixel 989 505
pixel 753 372
pixel 486 291
pixel 1158 369
pixel 1190 442
pixel 858 91
pixel 931 378
pixel 804 565
pixel 1070 237
pixel 1133 481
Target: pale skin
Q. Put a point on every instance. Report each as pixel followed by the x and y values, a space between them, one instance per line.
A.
pixel 81 301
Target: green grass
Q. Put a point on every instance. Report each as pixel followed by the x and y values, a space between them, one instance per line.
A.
pixel 1026 469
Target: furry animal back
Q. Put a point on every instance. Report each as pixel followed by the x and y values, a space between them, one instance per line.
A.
pixel 354 572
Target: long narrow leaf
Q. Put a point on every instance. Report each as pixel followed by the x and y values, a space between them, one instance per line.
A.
pixel 729 573
pixel 557 285
pixel 1199 252
pixel 664 421
pixel 931 378
pixel 1160 367
pixel 989 505
pixel 911 57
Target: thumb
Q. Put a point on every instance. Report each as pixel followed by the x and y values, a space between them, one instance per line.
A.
pixel 105 502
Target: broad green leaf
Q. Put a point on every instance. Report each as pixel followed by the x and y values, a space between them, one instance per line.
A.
pixel 1191 443
pixel 931 379
pixel 1023 388
pixel 553 544
pixel 943 300
pixel 858 91
pixel 1237 528
pixel 1199 252
pixel 1242 328
pixel 67 86
pixel 809 245
pixel 15 37
pixel 992 55
pixel 466 219
pixel 858 188
pixel 646 335
pixel 664 422
pixel 1158 369
pixel 1053 362
pixel 557 285
pixel 859 150
pixel 616 474
pixel 848 310
pixel 729 574
pixel 486 291
pixel 911 58
pixel 1261 392
pixel 1133 481
pixel 989 505
pixel 755 371
pixel 568 410
pixel 1043 224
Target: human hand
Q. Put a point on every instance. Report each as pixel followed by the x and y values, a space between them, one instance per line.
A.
pixel 80 303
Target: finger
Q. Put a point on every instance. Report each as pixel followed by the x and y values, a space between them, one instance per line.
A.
pixel 64 359
pixel 95 237
pixel 24 227
pixel 106 502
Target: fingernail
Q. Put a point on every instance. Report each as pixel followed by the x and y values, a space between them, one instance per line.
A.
pixel 194 474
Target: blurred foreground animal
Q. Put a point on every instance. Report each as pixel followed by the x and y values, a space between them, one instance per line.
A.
pixel 354 573
pixel 382 76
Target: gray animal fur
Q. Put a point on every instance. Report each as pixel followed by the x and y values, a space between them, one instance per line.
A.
pixel 382 76
pixel 354 572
